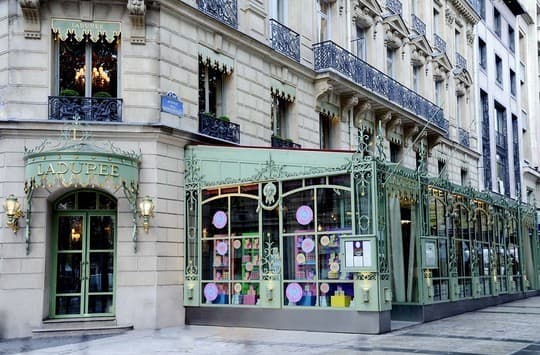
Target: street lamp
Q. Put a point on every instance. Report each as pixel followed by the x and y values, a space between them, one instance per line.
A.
pixel 12 207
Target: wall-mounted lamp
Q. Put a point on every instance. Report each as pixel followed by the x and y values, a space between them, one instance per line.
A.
pixel 365 295
pixel 190 291
pixel 12 207
pixel 270 293
pixel 146 211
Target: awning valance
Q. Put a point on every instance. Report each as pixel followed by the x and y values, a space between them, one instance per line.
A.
pixel 216 60
pixel 93 30
pixel 329 110
pixel 282 90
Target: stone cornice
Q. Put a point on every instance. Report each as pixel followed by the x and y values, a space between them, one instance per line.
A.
pixel 465 8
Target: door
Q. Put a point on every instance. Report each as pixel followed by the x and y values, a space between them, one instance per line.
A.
pixel 83 264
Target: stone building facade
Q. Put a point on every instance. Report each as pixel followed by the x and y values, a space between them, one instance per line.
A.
pixel 123 90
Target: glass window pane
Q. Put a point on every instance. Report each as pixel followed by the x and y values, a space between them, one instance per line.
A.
pixel 72 68
pixel 215 259
pixel 215 218
pixel 100 304
pixel 68 305
pixel 215 293
pixel 246 258
pixel 67 203
pixel 245 293
pixel 70 232
pixel 101 232
pixel 104 69
pixel 244 216
pixel 333 210
pixel 101 272
pixel 298 211
pixel 68 271
pixel 300 294
pixel 106 203
pixel 87 200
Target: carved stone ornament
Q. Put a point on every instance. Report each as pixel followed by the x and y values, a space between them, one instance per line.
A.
pixel 32 23
pixel 365 113
pixel 450 16
pixel 418 57
pixel 137 12
pixel 440 73
pixel 363 18
pixel 393 39
pixel 470 36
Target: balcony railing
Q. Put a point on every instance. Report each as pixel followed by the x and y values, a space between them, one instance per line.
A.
pixel 329 55
pixel 418 25
pixel 394 6
pixel 219 128
pixel 65 108
pixel 461 62
pixel 284 40
pixel 225 11
pixel 464 138
pixel 500 140
pixel 439 44
pixel 278 142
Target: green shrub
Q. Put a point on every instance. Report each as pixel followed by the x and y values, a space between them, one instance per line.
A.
pixel 69 92
pixel 224 118
pixel 102 94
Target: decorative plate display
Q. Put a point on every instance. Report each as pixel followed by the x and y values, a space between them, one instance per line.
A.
pixel 304 215
pixel 249 266
pixel 222 248
pixel 236 244
pixel 300 258
pixel 325 240
pixel 219 220
pixel 210 291
pixel 294 292
pixel 237 287
pixel 325 287
pixel 308 245
pixel 334 267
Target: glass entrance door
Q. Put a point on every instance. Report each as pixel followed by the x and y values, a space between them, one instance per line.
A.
pixel 84 264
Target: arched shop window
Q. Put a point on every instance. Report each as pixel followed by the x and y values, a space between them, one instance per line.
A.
pixel 463 247
pixel 499 249
pixel 438 221
pixel 483 250
pixel 86 66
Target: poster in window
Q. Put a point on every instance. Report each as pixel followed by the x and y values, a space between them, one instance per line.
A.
pixel 358 254
pixel 431 254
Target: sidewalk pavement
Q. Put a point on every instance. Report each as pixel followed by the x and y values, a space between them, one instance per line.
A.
pixel 511 328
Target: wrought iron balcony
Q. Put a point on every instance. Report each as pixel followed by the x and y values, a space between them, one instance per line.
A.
pixel 500 140
pixel 101 109
pixel 284 40
pixel 394 6
pixel 418 25
pixel 219 128
pixel 225 11
pixel 439 44
pixel 461 62
pixel 464 138
pixel 278 142
pixel 330 56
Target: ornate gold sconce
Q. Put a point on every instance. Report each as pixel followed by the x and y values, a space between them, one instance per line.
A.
pixel 146 210
pixel 12 207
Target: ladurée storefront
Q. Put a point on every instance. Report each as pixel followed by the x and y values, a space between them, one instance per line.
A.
pixel 342 241
pixel 84 180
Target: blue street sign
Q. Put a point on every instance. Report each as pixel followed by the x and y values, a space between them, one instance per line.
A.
pixel 172 105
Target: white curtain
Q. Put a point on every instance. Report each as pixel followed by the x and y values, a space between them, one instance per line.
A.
pixel 412 249
pixel 396 244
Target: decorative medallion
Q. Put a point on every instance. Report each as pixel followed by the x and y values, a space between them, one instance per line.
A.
pixel 325 287
pixel 308 245
pixel 219 220
pixel 294 292
pixel 325 240
pixel 334 267
pixel 300 258
pixel 249 266
pixel 269 192
pixel 236 244
pixel 237 287
pixel 222 248
pixel 304 215
pixel 210 292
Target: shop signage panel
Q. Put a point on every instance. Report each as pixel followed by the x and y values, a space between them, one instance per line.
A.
pixel 359 253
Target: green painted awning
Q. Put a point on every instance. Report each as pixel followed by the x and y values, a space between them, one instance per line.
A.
pixel 216 60
pixel 93 29
pixel 282 90
pixel 329 110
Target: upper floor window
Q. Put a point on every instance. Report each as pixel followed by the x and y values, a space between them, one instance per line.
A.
pixel 459 111
pixel 324 131
pixel 361 43
pixel 511 39
pixel 210 90
pixel 323 23
pixel 416 71
pixel 278 11
pixel 482 6
pixel 482 52
pixel 86 68
pixel 498 69
pixel 438 93
pixel 457 41
pixel 497 22
pixel 280 108
pixel 435 21
pixel 395 152
pixel 390 58
pixel 414 7
pixel 513 88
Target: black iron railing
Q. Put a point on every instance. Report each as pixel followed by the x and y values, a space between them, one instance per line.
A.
pixel 394 6
pixel 284 40
pixel 461 62
pixel 225 11
pixel 219 128
pixel 278 142
pixel 329 55
pixel 108 109
pixel 464 138
pixel 439 44
pixel 418 25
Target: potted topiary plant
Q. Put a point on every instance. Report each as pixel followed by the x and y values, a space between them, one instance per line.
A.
pixel 224 118
pixel 69 92
pixel 102 94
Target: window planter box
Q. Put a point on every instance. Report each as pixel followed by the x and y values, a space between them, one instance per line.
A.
pixel 101 109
